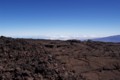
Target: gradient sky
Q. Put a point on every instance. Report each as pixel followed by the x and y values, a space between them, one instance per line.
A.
pixel 59 18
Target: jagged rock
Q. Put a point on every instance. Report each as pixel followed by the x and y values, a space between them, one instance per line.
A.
pixel 28 59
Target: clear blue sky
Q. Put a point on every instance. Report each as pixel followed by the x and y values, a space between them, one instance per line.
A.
pixel 59 18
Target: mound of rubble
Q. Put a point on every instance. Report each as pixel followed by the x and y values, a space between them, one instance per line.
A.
pixel 34 59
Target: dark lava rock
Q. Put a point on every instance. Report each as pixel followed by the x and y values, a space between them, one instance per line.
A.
pixel 28 59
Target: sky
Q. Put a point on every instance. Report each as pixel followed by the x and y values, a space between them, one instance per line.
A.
pixel 59 18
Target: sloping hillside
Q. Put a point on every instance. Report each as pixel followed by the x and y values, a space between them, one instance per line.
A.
pixel 27 59
pixel 115 38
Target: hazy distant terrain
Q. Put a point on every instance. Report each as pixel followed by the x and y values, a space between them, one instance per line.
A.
pixel 115 38
pixel 28 59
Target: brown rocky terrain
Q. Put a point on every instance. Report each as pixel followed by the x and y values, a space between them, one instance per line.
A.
pixel 29 59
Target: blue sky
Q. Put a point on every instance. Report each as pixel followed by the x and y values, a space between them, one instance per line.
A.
pixel 59 18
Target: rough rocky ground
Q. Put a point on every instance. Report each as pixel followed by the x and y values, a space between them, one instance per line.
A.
pixel 27 59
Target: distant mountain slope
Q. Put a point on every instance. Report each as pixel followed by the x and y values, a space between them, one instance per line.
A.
pixel 115 38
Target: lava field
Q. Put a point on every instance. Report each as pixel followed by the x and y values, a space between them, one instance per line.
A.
pixel 39 59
